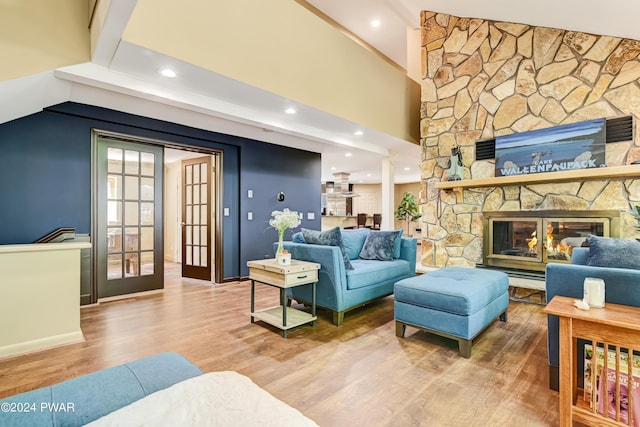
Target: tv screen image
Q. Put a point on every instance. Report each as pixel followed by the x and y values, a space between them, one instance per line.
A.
pixel 572 146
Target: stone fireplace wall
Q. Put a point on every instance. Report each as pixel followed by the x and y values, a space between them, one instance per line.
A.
pixel 482 79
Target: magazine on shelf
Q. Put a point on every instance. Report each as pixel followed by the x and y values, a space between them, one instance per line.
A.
pixel 589 371
pixel 606 386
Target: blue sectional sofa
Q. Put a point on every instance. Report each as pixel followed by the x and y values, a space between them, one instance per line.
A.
pixel 622 285
pixel 81 400
pixel 340 289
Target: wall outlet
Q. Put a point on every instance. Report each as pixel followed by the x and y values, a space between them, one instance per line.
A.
pixel 250 216
pixel 311 215
pixel 225 211
pixel 250 194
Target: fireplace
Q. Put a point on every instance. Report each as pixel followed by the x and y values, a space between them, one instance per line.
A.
pixel 529 240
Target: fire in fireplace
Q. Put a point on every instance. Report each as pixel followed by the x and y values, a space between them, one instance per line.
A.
pixel 529 240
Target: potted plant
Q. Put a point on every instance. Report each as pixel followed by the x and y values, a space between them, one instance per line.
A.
pixel 408 210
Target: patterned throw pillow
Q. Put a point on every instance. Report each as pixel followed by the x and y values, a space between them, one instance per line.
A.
pixel 613 252
pixel 329 237
pixel 379 245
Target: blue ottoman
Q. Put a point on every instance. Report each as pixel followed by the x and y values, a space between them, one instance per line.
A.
pixel 454 302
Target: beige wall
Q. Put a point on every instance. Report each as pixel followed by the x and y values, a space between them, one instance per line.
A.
pixel 39 304
pixel 371 195
pixel 283 48
pixel 399 189
pixel 41 35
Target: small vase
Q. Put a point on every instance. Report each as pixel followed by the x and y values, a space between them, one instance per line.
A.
pixel 280 245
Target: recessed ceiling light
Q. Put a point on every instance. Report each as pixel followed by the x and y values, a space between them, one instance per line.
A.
pixel 407 168
pixel 361 181
pixel 368 174
pixel 375 23
pixel 333 168
pixel 347 154
pixel 168 72
pixel 358 133
pixel 290 110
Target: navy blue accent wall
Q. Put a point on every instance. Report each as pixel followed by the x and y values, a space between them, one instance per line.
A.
pixel 45 173
pixel 268 170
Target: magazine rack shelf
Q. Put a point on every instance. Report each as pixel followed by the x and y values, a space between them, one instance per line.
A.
pixel 613 326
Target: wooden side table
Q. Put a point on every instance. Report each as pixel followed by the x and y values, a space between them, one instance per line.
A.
pixel 614 325
pixel 298 273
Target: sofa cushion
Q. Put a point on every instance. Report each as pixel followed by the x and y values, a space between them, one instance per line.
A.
pixel 353 241
pixel 613 253
pixel 457 290
pixel 379 245
pixel 331 237
pixel 369 272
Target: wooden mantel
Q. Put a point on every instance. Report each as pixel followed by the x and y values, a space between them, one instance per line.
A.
pixel 629 171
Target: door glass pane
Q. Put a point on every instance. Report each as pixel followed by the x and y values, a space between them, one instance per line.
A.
pixel 146 238
pixel 203 172
pixel 114 187
pixel 131 265
pixel 196 194
pixel 187 234
pixel 146 189
pixel 114 213
pixel 196 256
pixel 189 174
pixel 203 235
pixel 146 213
pixel 203 256
pixel 188 194
pixel 131 163
pixel 131 187
pixel 203 214
pixel 131 213
pixel 114 266
pixel 131 239
pixel 147 163
pixel 114 160
pixel 114 239
pixel 196 215
pixel 189 219
pixel 188 254
pixel 146 263
pixel 203 193
pixel 196 174
pixel 196 235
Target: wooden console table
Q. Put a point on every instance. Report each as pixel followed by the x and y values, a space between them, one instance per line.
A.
pixel 298 273
pixel 615 325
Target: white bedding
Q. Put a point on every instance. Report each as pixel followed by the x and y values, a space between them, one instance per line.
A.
pixel 213 399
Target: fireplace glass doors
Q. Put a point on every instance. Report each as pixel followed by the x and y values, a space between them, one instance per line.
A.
pixel 528 243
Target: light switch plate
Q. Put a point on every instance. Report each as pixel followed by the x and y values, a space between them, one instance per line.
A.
pixel 250 194
pixel 250 216
pixel 311 215
pixel 226 211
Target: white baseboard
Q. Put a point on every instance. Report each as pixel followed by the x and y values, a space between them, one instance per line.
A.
pixel 41 344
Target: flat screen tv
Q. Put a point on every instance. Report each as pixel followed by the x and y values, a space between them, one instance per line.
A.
pixel 573 146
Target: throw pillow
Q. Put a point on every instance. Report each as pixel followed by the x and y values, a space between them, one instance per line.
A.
pixel 353 241
pixel 379 245
pixel 297 237
pixel 329 237
pixel 612 252
pixel 398 245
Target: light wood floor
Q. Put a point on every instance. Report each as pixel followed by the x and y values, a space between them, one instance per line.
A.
pixel 359 374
